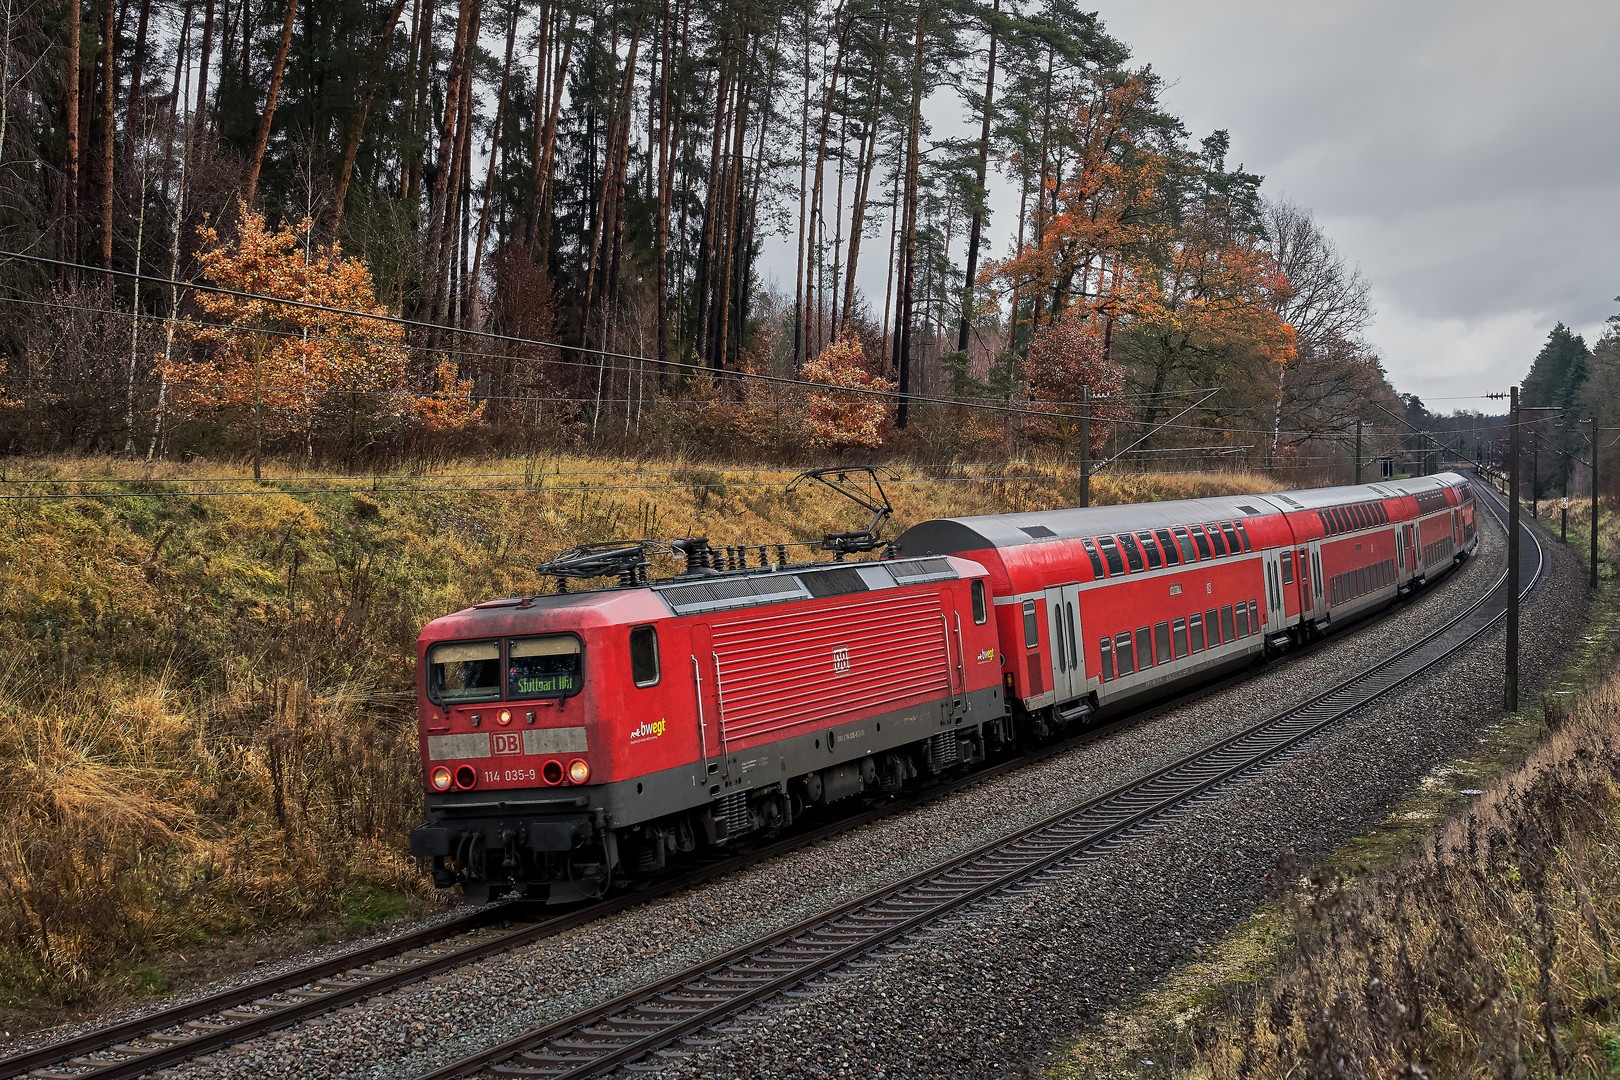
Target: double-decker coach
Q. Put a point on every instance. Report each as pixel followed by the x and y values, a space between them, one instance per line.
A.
pixel 1104 607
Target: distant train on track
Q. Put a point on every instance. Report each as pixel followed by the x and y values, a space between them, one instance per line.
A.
pixel 574 741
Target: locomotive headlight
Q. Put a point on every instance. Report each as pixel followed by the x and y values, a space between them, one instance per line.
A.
pixel 441 778
pixel 579 771
pixel 504 717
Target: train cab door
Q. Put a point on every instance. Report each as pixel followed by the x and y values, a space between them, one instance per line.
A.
pixel 956 674
pixel 705 678
pixel 1068 657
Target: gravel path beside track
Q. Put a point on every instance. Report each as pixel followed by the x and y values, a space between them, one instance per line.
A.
pixel 986 995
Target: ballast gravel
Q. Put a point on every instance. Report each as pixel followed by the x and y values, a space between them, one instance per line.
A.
pixel 984 994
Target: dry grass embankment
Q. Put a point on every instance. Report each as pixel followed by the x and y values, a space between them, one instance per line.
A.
pixel 206 714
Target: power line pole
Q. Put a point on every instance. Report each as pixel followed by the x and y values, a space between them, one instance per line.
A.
pixel 1358 449
pixel 1512 674
pixel 1535 475
pixel 1592 581
pixel 1085 445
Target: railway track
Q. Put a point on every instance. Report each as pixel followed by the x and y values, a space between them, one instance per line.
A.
pixel 724 990
pixel 169 1036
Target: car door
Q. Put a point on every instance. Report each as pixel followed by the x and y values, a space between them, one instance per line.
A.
pixel 1068 655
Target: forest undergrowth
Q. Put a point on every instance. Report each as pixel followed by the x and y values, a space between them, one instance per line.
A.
pixel 206 705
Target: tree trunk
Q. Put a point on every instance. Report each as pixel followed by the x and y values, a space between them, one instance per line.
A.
pixel 442 194
pixel 132 112
pixel 816 187
pixel 804 167
pixel 416 126
pixel 494 146
pixel 204 60
pixel 978 202
pixel 908 268
pixel 661 255
pixel 351 147
pixel 265 118
pixel 70 183
pixel 863 176
pixel 542 68
pixel 109 84
pixel 705 255
pixel 558 82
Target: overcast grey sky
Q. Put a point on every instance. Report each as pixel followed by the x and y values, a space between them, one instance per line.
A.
pixel 1465 154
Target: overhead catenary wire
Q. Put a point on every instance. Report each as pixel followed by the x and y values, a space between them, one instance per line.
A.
pixel 417 324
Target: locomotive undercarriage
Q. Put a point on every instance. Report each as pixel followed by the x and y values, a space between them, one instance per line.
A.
pixel 565 858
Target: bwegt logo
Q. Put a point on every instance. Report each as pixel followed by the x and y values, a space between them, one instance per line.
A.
pixel 649 729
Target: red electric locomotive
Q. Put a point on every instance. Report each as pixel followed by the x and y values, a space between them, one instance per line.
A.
pixel 572 740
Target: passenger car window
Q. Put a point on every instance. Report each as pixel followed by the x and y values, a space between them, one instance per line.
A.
pixel 1195 632
pixel 981 612
pixel 1144 647
pixel 1202 541
pixel 1179 636
pixel 1232 543
pixel 644 655
pixel 1212 627
pixel 1243 620
pixel 1096 560
pixel 1227 631
pixel 1133 554
pixel 1032 628
pixel 1187 552
pixel 543 666
pixel 1288 568
pixel 1150 546
pixel 1216 538
pixel 464 671
pixel 1111 552
pixel 1244 533
pixel 1106 668
pixel 1172 555
pixel 1125 654
pixel 1161 641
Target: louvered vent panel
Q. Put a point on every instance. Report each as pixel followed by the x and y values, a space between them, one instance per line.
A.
pixel 688 594
pixel 922 568
pixel 838 582
pixel 732 590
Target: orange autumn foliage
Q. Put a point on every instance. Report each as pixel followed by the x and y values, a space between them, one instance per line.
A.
pixel 1103 209
pixel 844 420
pixel 289 365
pixel 450 407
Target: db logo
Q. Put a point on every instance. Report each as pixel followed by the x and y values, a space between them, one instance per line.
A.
pixel 840 661
pixel 507 742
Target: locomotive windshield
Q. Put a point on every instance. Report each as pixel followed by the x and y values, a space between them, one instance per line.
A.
pixel 543 667
pixel 465 671
pixel 536 667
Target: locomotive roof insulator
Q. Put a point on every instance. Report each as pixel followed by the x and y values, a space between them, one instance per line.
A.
pixel 627 560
